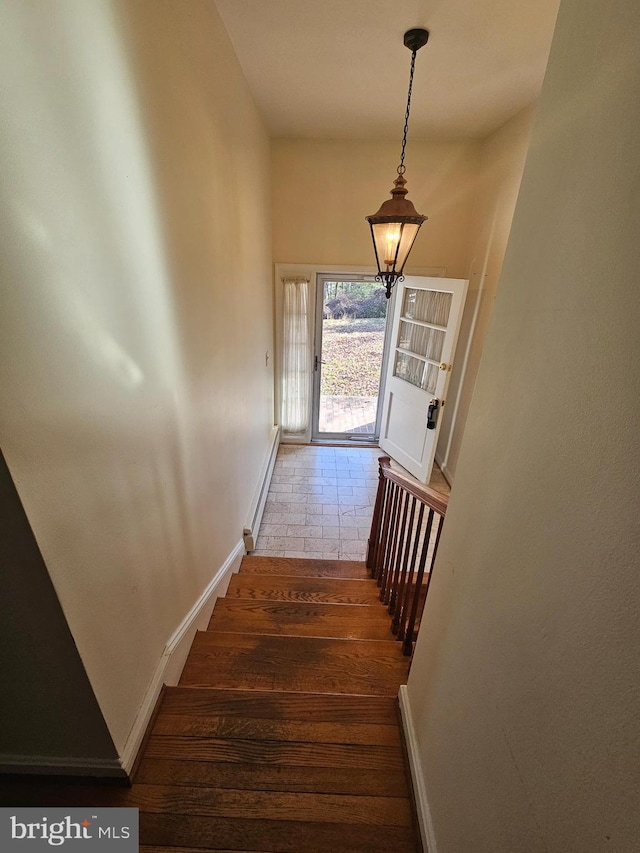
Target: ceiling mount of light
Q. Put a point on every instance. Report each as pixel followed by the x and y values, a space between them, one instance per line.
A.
pixel 395 226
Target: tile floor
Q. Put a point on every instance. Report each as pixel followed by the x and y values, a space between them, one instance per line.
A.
pixel 320 502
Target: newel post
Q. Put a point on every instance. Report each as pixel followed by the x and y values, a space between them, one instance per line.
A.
pixel 376 521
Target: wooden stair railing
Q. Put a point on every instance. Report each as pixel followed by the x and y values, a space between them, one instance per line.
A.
pixel 405 533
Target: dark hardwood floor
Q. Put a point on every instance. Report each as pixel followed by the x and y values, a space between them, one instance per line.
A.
pixel 283 734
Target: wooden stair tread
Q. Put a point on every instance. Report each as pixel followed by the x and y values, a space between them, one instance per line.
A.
pixel 270 805
pixel 302 618
pixel 287 753
pixel 274 777
pixel 383 777
pixel 293 566
pixel 254 728
pixel 147 848
pixel 312 707
pixel 307 649
pixel 307 664
pixel 273 836
pixel 199 817
pixel 310 589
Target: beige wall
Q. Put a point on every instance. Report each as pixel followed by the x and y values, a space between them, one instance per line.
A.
pixel 525 684
pixel 502 159
pixel 136 276
pixel 323 189
pixel 47 707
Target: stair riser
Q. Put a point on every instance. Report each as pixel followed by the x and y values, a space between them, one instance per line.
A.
pixel 362 622
pixel 304 590
pixel 304 568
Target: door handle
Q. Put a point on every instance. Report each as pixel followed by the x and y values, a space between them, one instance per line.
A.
pixel 432 414
pixel 316 362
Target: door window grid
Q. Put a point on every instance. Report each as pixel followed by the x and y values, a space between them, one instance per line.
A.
pixel 429 306
pixel 419 345
pixel 421 340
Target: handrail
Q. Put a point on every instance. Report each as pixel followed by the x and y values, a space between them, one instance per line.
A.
pixel 428 496
pixel 402 546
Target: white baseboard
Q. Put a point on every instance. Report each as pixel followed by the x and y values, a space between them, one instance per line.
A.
pixel 250 532
pixel 55 765
pixel 167 671
pixel 425 823
pixel 445 470
pixel 175 653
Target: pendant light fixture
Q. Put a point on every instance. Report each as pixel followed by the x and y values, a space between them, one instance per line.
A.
pixel 395 226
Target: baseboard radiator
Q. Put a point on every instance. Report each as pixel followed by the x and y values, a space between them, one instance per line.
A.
pixel 250 532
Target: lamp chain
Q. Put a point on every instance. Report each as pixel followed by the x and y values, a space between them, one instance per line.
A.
pixel 401 167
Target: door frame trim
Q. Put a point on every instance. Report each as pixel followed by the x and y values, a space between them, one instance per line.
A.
pixel 356 438
pixel 311 271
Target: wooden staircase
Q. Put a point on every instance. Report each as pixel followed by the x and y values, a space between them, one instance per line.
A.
pixel 283 734
pixel 285 720
pixel 298 625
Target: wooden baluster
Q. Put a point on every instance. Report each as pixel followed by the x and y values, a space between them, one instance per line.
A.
pixel 395 539
pixel 430 574
pixel 398 556
pixel 413 590
pixel 391 541
pixel 384 533
pixel 395 605
pixel 437 542
pixel 400 620
pixel 387 533
pixel 374 538
pixel 374 551
pixel 393 551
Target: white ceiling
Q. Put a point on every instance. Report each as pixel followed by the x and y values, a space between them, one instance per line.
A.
pixel 338 68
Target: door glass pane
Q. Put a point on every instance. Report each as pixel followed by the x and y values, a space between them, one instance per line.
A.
pixel 421 339
pixel 416 372
pixel 353 327
pixel 431 378
pixel 428 306
pixel 408 368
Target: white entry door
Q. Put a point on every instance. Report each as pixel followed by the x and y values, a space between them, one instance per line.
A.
pixel 426 322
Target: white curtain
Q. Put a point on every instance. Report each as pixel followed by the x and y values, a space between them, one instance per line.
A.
pixel 296 357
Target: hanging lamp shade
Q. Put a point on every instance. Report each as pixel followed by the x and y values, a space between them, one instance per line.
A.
pixel 395 226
